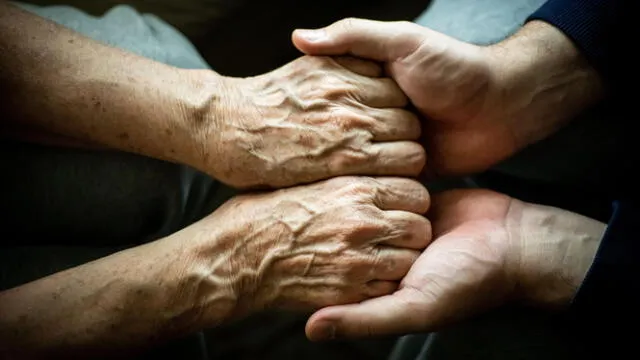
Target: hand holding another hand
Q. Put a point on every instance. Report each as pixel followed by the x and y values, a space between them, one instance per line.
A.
pixel 487 249
pixel 481 104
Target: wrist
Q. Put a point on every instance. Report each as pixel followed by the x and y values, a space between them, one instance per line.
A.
pixel 544 81
pixel 554 250
pixel 202 106
pixel 215 285
pixel 210 109
pixel 170 290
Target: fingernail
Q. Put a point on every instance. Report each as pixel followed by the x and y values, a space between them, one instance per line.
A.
pixel 327 331
pixel 312 35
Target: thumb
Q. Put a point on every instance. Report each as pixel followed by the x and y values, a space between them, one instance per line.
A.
pixel 368 39
pixel 399 313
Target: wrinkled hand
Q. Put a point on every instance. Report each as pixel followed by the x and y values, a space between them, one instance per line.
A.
pixel 313 119
pixel 334 242
pixel 488 249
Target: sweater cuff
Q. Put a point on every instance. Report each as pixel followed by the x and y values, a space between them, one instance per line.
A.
pixel 588 23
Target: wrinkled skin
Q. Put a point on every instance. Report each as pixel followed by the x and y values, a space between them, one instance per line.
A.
pixel 313 119
pixel 334 242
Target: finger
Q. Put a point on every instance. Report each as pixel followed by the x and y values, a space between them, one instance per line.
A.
pixel 377 288
pixel 375 40
pixel 392 263
pixel 394 125
pixel 399 313
pixel 407 230
pixel 398 158
pixel 359 66
pixel 401 194
pixel 379 93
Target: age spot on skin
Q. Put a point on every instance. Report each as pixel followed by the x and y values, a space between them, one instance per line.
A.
pixel 123 136
pixel 96 102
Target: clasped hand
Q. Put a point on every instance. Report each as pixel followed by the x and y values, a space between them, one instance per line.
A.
pixel 348 243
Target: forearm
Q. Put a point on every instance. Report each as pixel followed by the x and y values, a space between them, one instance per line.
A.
pixel 545 79
pixel 58 81
pixel 120 303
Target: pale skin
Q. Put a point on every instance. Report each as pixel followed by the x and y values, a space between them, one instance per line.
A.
pixel 480 105
pixel 330 242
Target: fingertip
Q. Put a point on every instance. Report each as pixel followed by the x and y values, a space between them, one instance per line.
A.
pixel 309 40
pixel 429 233
pixel 425 198
pixel 311 35
pixel 418 157
pixel 319 327
pixel 322 331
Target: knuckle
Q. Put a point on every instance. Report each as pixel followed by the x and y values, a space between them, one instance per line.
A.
pixel 348 119
pixel 362 223
pixel 337 89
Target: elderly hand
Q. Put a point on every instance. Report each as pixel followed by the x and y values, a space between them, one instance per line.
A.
pixel 312 119
pixel 338 241
pixel 488 249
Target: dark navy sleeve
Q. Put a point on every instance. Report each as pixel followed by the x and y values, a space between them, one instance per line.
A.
pixel 597 27
pixel 611 289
